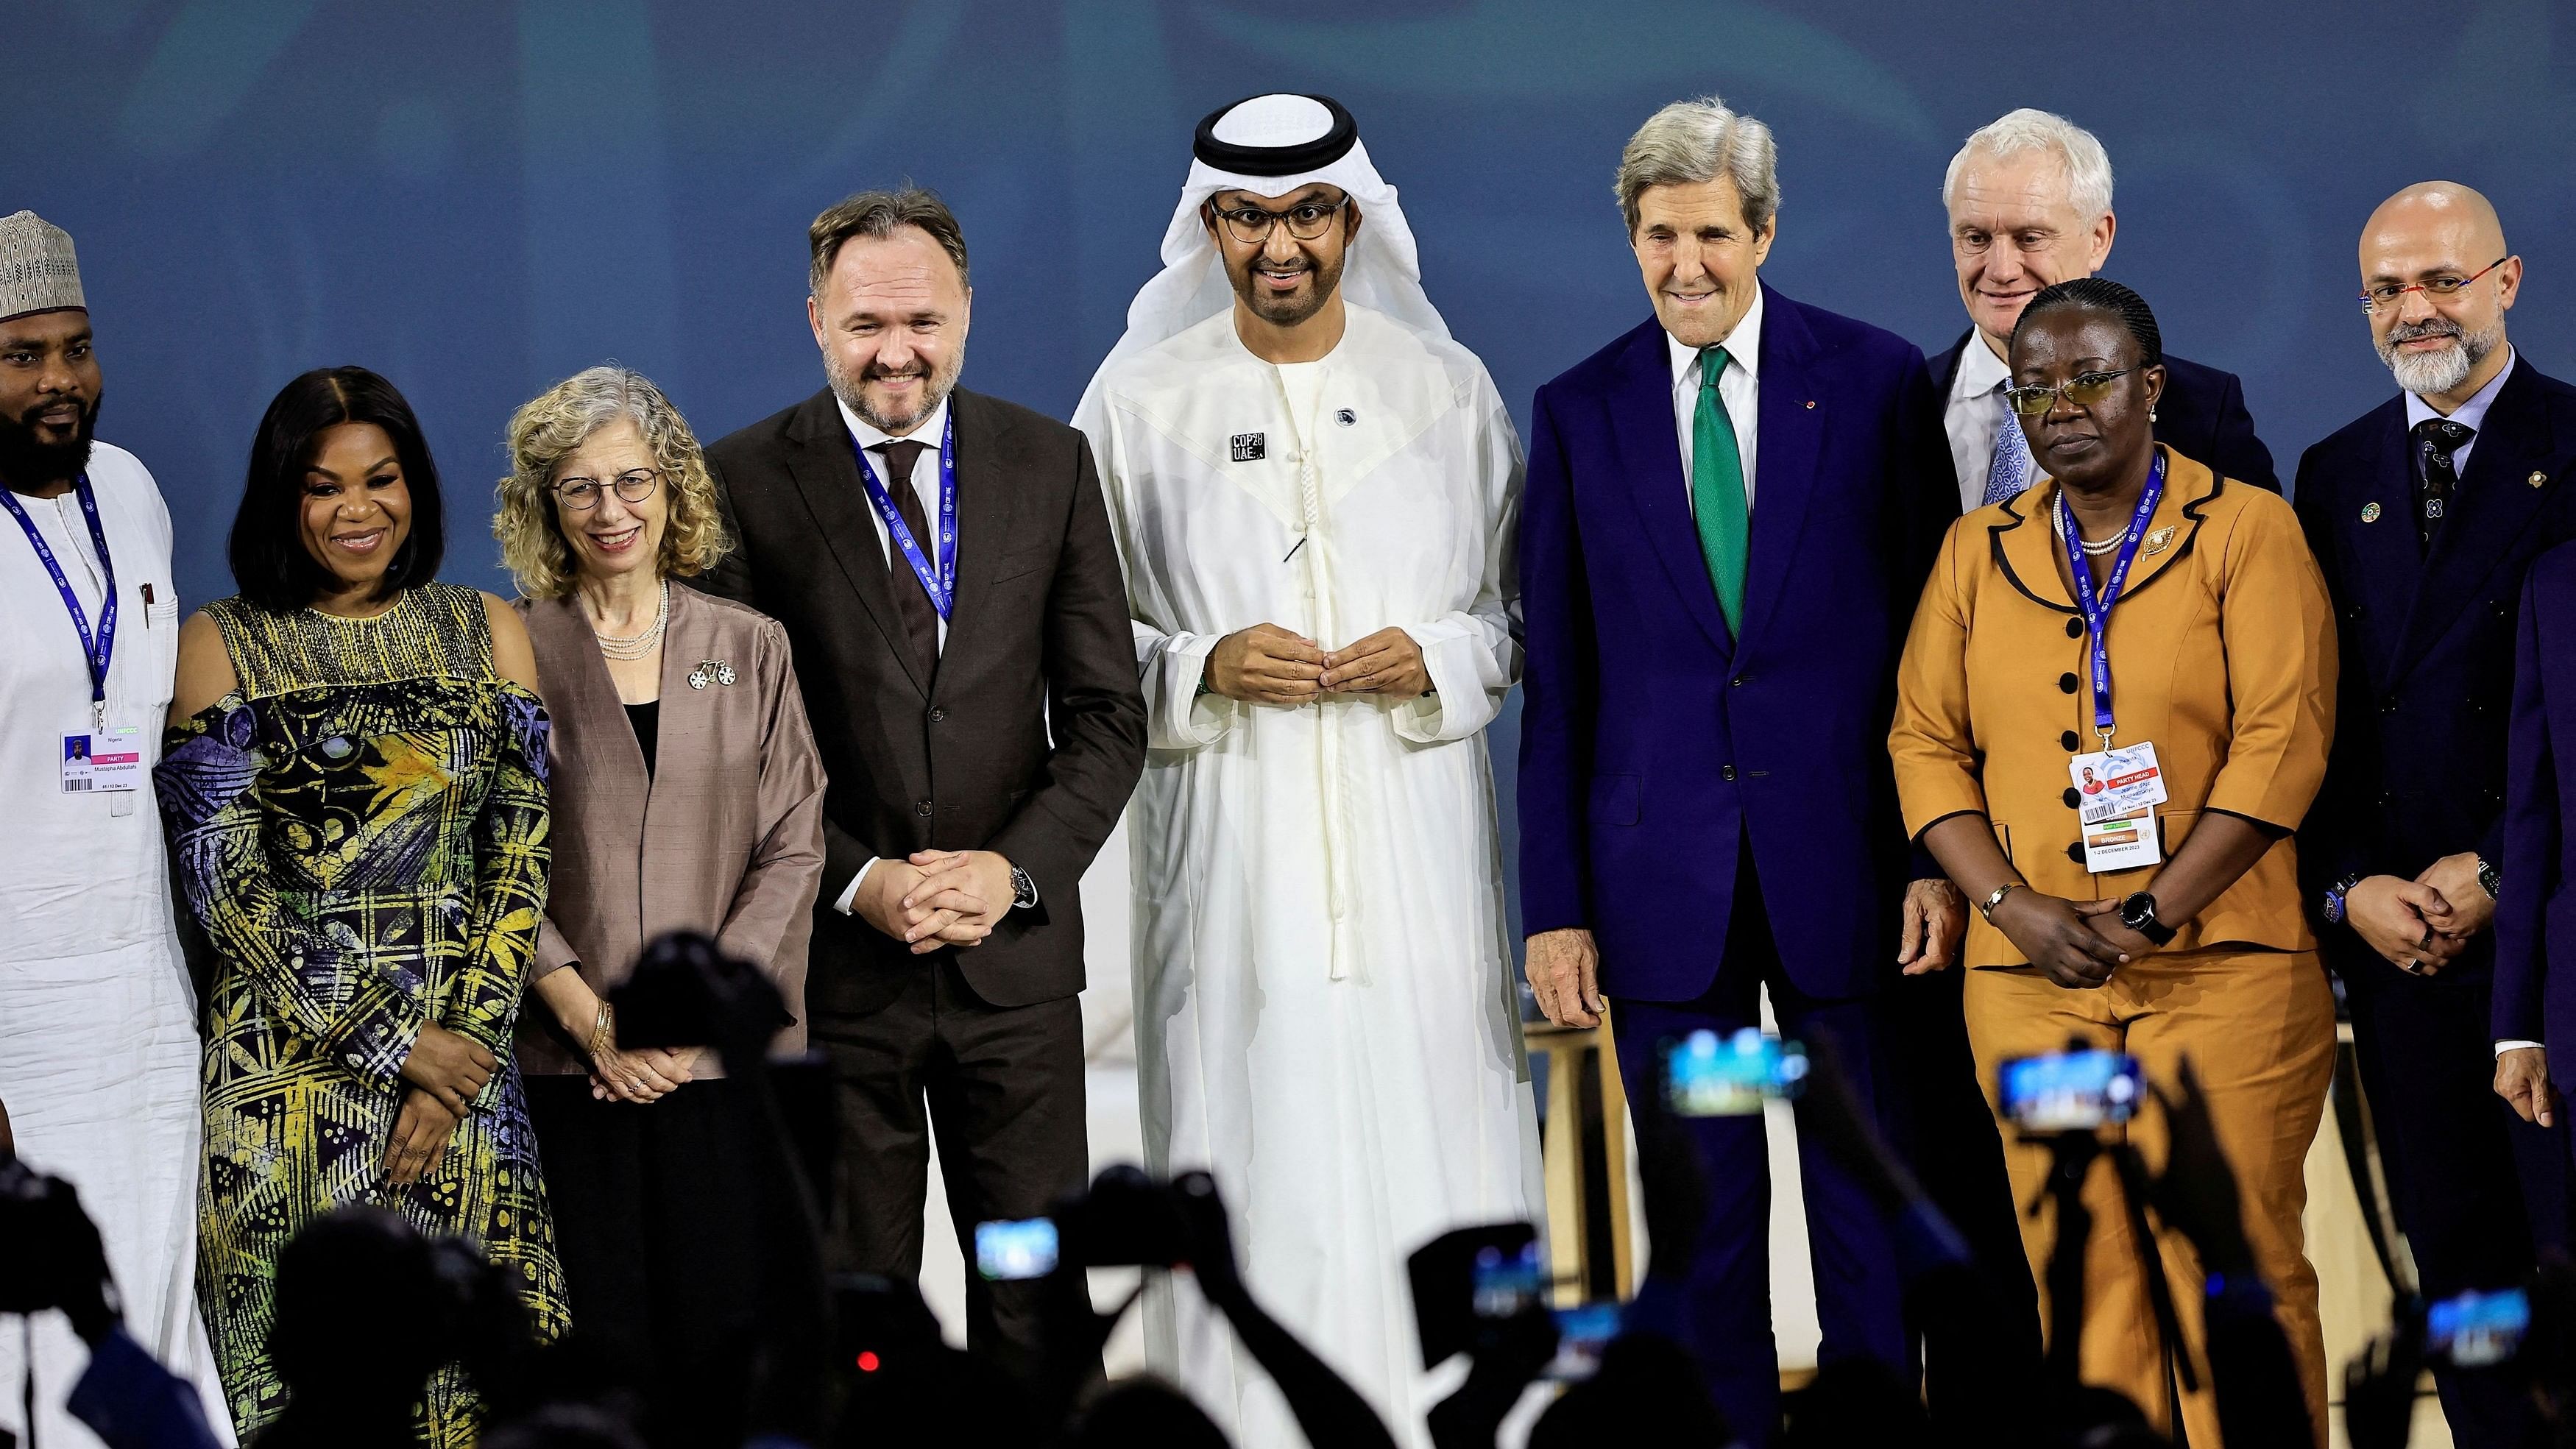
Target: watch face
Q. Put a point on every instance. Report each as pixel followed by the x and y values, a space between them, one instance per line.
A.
pixel 2138 910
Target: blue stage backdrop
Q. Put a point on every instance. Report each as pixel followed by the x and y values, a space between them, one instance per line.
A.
pixel 479 198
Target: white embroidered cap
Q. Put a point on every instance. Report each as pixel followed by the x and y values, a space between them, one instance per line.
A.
pixel 38 272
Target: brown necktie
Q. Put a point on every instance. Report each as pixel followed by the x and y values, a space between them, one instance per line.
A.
pixel 920 616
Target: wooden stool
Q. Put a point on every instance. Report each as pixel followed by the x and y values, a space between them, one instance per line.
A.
pixel 1591 1251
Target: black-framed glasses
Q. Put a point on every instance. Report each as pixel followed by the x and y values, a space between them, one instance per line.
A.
pixel 633 486
pixel 2440 284
pixel 2083 390
pixel 1306 221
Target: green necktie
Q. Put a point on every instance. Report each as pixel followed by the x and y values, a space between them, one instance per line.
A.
pixel 1717 491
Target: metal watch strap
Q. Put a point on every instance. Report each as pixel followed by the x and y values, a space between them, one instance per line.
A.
pixel 2490 879
pixel 1024 889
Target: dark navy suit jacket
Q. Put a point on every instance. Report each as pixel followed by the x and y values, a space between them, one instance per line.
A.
pixel 2418 769
pixel 2201 416
pixel 2535 923
pixel 1654 744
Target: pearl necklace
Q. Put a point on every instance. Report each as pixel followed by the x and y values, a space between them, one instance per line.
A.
pixel 641 645
pixel 2091 549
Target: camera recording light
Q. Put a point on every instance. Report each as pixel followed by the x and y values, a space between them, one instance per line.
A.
pixel 868 1360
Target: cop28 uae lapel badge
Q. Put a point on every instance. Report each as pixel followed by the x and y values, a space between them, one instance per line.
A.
pixel 2370 513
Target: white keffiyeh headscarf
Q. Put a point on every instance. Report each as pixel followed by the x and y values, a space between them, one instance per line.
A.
pixel 1310 139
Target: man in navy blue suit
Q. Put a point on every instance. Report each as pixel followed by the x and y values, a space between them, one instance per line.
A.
pixel 2535 923
pixel 2424 514
pixel 1729 515
pixel 2029 201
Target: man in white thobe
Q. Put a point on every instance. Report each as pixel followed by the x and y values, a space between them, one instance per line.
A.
pixel 98 1038
pixel 1314 490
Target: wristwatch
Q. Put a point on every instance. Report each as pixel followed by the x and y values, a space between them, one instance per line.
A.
pixel 2138 913
pixel 2335 895
pixel 2490 879
pixel 1024 891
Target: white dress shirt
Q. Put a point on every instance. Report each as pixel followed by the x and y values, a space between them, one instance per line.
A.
pixel 925 486
pixel 1739 387
pixel 1974 416
pixel 2471 415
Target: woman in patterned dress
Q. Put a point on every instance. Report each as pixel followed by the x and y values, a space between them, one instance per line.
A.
pixel 355 784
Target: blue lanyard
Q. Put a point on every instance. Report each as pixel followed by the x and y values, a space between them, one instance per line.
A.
pixel 939 583
pixel 94 652
pixel 2097 612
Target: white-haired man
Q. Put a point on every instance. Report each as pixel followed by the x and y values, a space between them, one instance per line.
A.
pixel 2029 199
pixel 1730 514
pixel 98 1038
pixel 1314 491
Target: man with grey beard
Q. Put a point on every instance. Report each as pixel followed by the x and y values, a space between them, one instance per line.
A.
pixel 2424 514
pixel 972 685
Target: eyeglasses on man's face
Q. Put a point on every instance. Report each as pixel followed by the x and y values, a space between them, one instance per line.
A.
pixel 2083 390
pixel 1306 221
pixel 633 486
pixel 2385 295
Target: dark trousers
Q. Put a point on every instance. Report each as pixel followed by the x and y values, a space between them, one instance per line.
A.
pixel 1948 1135
pixel 1004 1086
pixel 658 1230
pixel 1859 1300
pixel 2476 1188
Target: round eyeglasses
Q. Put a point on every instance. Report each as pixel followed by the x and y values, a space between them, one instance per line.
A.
pixel 633 486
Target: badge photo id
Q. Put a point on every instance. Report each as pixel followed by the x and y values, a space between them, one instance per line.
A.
pixel 2122 844
pixel 103 763
pixel 2116 782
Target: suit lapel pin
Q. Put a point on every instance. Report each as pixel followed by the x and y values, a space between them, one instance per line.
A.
pixel 1811 403
pixel 710 671
pixel 2370 513
pixel 2536 479
pixel 2157 540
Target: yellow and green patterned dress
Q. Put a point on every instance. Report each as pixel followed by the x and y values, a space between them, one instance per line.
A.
pixel 361 827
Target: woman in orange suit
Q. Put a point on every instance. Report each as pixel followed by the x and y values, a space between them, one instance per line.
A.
pixel 2159 915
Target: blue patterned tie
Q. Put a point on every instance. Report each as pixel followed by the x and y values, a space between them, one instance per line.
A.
pixel 2012 469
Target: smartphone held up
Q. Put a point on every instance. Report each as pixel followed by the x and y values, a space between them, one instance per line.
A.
pixel 1711 1074
pixel 2070 1091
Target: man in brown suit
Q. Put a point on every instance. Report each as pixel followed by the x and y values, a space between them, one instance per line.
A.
pixel 960 631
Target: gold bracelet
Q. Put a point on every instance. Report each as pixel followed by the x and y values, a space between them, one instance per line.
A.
pixel 603 1031
pixel 1987 906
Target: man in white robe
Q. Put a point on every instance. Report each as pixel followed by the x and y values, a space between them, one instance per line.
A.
pixel 98 1037
pixel 1314 491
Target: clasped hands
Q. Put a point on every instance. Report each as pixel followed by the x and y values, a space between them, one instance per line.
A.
pixel 446 1072
pixel 2078 943
pixel 1266 664
pixel 936 898
pixel 2418 926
